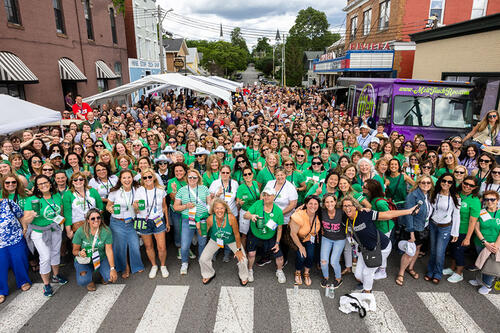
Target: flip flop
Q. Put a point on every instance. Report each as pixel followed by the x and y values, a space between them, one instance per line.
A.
pixel 26 287
pixel 209 280
pixel 2 299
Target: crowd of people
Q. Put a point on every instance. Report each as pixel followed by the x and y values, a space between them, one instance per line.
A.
pixel 285 174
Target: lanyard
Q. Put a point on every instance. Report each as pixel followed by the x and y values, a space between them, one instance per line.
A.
pixel 270 172
pixel 494 216
pixel 127 204
pixel 277 194
pixel 437 201
pixel 147 202
pixel 53 202
pixel 353 223
pixel 254 195
pixel 491 187
pixel 190 191
pixel 228 187
pixel 84 196
pixel 223 224
pixel 108 182
pixel 264 213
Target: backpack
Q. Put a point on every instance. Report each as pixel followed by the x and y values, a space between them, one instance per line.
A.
pixel 392 206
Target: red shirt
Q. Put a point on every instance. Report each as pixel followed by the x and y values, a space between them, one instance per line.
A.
pixel 83 110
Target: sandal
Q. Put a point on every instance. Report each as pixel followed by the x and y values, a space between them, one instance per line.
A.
pixel 413 273
pixel 400 279
pixel 91 286
pixel 26 287
pixel 207 281
pixel 243 283
pixel 427 278
pixel 126 275
pixel 346 270
pixel 298 278
pixel 2 299
pixel 436 281
pixel 307 279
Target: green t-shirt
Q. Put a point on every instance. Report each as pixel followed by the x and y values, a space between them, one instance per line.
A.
pixel 198 196
pixel 276 215
pixel 350 150
pixel 49 209
pixel 302 167
pixel 297 178
pixel 248 194
pixel 397 188
pixel 313 189
pixel 330 165
pixel 441 171
pixel 253 155
pixel 209 179
pixel 314 176
pixel 489 228
pixel 85 242
pixel 180 184
pixel 380 205
pixel 19 200
pixel 471 206
pixel 189 159
pixel 264 176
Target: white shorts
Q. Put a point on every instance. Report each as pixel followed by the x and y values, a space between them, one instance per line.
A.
pixel 244 223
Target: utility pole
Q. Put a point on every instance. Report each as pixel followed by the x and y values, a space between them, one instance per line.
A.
pixel 283 58
pixel 159 29
pixel 274 47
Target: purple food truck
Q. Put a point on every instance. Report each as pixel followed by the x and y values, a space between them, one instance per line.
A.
pixel 436 109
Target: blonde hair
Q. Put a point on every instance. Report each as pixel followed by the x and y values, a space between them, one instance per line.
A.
pixel 484 122
pixel 75 175
pixel 221 202
pixel 200 182
pixel 155 179
pixel 112 164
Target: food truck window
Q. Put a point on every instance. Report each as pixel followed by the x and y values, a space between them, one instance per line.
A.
pixel 412 110
pixel 452 112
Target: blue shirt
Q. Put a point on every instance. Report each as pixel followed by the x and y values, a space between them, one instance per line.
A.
pixel 11 230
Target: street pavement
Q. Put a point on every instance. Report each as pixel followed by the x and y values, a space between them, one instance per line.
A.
pixel 184 304
pixel 250 75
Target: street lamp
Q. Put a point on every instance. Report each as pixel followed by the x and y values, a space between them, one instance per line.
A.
pixel 159 29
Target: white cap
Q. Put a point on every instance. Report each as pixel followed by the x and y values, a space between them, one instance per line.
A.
pixel 375 139
pixel 220 149
pixel 239 145
pixel 162 158
pixel 168 150
pixel 201 151
pixel 55 155
pixel 269 190
pixel 364 126
pixel 407 247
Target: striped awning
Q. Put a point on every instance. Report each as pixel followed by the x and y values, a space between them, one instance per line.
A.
pixel 69 71
pixel 12 69
pixel 104 72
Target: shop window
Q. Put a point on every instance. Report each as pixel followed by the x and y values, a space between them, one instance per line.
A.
pixel 478 8
pixel 118 71
pixel 12 9
pixel 14 90
pixel 88 19
pixel 102 85
pixel 58 13
pixel 385 14
pixel 113 25
pixel 367 22
pixel 354 27
pixel 412 111
pixel 437 9
pixel 453 112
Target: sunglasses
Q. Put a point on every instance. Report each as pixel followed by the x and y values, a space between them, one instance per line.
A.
pixel 447 182
pixel 14 182
pixel 225 172
pixel 495 172
pixel 97 218
pixel 315 147
pixel 492 116
pixel 47 169
pixel 162 163
pixel 247 174
pixel 425 183
pixel 489 199
pixel 192 177
pixel 484 161
pixel 469 184
pixel 36 161
pixel 316 163
pixel 148 177
pixel 300 155
pixel 460 172
pixel 448 158
pixel 99 146
pixel 91 156
pixel 457 141
pixel 288 164
pixel 78 179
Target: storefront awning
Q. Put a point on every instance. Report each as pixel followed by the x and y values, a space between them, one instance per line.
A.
pixel 104 72
pixel 13 70
pixel 69 71
pixel 333 88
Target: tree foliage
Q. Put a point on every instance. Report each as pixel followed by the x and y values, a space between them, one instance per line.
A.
pixel 119 5
pixel 263 47
pixel 238 40
pixel 223 54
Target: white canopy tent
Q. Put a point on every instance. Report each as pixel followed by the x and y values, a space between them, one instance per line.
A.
pixel 17 114
pixel 233 83
pixel 218 83
pixel 172 79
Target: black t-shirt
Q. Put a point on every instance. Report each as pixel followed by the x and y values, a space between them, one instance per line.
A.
pixel 366 231
pixel 333 229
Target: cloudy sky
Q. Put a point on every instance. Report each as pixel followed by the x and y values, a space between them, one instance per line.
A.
pixel 200 19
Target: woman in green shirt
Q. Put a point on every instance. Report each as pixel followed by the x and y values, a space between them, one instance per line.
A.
pixel 174 184
pixel 212 173
pixel 253 150
pixel 352 145
pixel 267 173
pixel 447 164
pixel 301 163
pixel 397 189
pixel 247 193
pixel 485 163
pixel 316 172
pixel 329 186
pixel 189 157
pixel 469 213
pixel 295 177
pixel 46 225
pixel 339 151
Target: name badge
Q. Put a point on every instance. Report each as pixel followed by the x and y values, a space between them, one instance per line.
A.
pixel 220 242
pixel 58 219
pixel 128 220
pixel 312 239
pixel 96 260
pixel 316 178
pixel 271 225
pixel 360 227
pixel 485 216
pixel 158 221
pixel 227 197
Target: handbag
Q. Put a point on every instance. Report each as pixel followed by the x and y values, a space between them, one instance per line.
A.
pixel 86 260
pixel 491 266
pixel 371 258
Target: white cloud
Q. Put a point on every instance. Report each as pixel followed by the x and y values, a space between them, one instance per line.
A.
pixel 267 15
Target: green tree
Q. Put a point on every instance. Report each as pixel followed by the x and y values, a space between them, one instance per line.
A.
pixel 263 48
pixel 238 40
pixel 294 62
pixel 223 54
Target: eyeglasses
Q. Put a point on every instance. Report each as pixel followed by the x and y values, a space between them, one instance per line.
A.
pixel 47 169
pixel 460 172
pixel 413 159
pixel 36 161
pixel 14 182
pixel 495 172
pixel 97 218
pixel 247 174
pixel 66 143
pixel 192 177
pixel 43 184
pixel 316 163
pixel 301 155
pixel 469 184
pixel 100 170
pixel 79 179
pixel 492 116
pixel 444 181
pixel 425 183
pixel 432 156
pixel 225 172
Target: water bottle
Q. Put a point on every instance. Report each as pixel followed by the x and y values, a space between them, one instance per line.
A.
pixel 331 291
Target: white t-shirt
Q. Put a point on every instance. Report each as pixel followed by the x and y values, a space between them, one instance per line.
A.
pixel 154 202
pixel 283 197
pixel 125 200
pixel 228 194
pixel 103 187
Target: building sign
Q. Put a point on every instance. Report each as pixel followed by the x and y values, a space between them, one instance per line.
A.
pixel 366 100
pixel 327 56
pixel 384 46
pixel 431 91
pixel 332 66
pixel 179 62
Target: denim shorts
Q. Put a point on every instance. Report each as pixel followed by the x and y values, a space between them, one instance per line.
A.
pixel 265 244
pixel 148 227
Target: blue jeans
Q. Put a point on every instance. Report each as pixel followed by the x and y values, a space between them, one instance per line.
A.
pixel 175 221
pixel 125 237
pixel 15 257
pixel 458 251
pixel 439 241
pixel 487 279
pixel 300 261
pixel 86 278
pixel 336 247
pixel 186 237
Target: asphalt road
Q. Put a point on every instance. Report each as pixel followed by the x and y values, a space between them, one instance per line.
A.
pixel 250 75
pixel 184 304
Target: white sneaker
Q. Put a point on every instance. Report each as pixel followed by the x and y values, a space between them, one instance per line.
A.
pixel 250 275
pixel 164 271
pixel 484 290
pixel 153 271
pixel 281 276
pixel 454 278
pixel 448 271
pixel 475 282
pixel 380 274
pixel 184 268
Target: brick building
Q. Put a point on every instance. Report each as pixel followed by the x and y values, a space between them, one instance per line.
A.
pixel 49 48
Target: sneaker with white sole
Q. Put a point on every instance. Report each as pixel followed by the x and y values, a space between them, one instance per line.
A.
pixel 153 271
pixel 281 276
pixel 184 268
pixel 455 278
pixel 250 275
pixel 192 255
pixel 380 274
pixel 179 256
pixel 164 271
pixel 484 290
pixel 448 271
pixel 475 283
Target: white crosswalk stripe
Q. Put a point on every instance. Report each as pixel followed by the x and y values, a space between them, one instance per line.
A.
pixel 235 310
pixel 385 319
pixel 164 309
pixel 301 316
pixel 19 311
pixel 495 299
pixel 449 314
pixel 92 310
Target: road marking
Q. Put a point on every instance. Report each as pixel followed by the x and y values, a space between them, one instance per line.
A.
pixel 235 310
pixel 164 309
pixel 449 314
pixel 385 319
pixel 17 313
pixel 302 318
pixel 495 299
pixel 92 309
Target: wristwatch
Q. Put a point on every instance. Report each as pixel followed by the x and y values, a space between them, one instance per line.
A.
pixel 112 268
pixel 238 249
pixel 483 241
